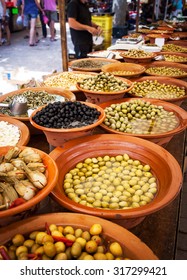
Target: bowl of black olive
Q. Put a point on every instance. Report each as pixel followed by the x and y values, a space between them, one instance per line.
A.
pixel 61 121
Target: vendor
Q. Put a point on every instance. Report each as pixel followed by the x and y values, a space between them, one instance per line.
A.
pixel 81 27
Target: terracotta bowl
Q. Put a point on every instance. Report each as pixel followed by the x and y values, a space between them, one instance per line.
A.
pixel 164 166
pixel 57 137
pixel 135 69
pixel 104 61
pixel 170 65
pixel 20 212
pixel 98 97
pixel 168 81
pixel 133 247
pixel 162 138
pixel 140 60
pixel 153 36
pixel 61 92
pixel 167 28
pixel 24 131
pixel 176 57
pixel 65 80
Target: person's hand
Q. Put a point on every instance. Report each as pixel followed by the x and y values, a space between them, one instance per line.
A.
pixel 92 30
pixel 99 31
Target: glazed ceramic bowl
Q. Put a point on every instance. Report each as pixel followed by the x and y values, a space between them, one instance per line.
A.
pixel 23 210
pixel 98 97
pixel 158 64
pixel 127 70
pixel 160 138
pixel 163 165
pixel 133 247
pixel 60 93
pixel 167 81
pixel 57 137
pixel 23 130
pixel 90 64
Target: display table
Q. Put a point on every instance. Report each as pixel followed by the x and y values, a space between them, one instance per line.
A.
pixel 158 230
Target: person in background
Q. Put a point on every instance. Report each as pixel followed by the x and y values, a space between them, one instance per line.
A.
pixel 81 27
pixel 4 22
pixel 30 11
pixel 43 24
pixel 50 9
pixel 177 7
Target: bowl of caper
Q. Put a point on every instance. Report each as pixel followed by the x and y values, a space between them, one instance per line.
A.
pixel 151 119
pixel 120 178
pixel 166 89
pixel 70 236
pixel 61 121
pixel 104 86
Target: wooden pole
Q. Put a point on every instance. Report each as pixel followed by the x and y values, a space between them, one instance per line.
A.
pixel 63 36
pixel 137 15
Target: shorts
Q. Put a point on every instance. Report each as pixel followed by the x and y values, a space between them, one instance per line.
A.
pixel 4 21
pixel 27 18
pixel 52 15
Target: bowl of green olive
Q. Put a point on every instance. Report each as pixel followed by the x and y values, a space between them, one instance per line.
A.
pixel 166 89
pixel 151 119
pixel 103 87
pixel 120 178
pixel 70 236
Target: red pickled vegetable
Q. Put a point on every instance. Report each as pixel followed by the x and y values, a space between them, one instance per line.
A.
pixel 66 241
pixel 4 253
pixel 47 229
pixel 18 201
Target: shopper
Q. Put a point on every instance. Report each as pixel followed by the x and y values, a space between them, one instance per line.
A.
pixel 50 9
pixel 81 27
pixel 43 24
pixel 4 22
pixel 30 12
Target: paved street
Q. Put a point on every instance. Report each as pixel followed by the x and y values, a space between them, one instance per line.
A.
pixel 24 62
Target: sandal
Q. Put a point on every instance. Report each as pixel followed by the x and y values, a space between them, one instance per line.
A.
pixel 53 40
pixel 32 45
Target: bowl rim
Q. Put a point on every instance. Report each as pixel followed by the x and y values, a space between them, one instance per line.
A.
pixel 41 193
pixel 24 131
pixel 132 242
pixel 67 130
pixel 48 89
pixel 165 80
pixel 140 69
pixel 108 92
pixel 179 112
pixel 176 176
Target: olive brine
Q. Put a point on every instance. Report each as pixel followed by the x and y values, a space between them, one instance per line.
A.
pixel 66 115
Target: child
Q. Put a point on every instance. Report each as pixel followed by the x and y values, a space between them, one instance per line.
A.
pixel 4 22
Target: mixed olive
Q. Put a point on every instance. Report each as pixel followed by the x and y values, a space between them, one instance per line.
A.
pixel 66 115
pixel 58 242
pixel 137 53
pixel 173 48
pixel 174 58
pixel 154 89
pixel 111 182
pixel 35 99
pixel 140 117
pixel 165 71
pixel 105 82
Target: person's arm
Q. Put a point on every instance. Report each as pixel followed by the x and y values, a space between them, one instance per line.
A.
pixel 39 7
pixel 73 23
pixel 4 7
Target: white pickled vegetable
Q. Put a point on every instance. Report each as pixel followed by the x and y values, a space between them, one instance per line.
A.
pixel 9 134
